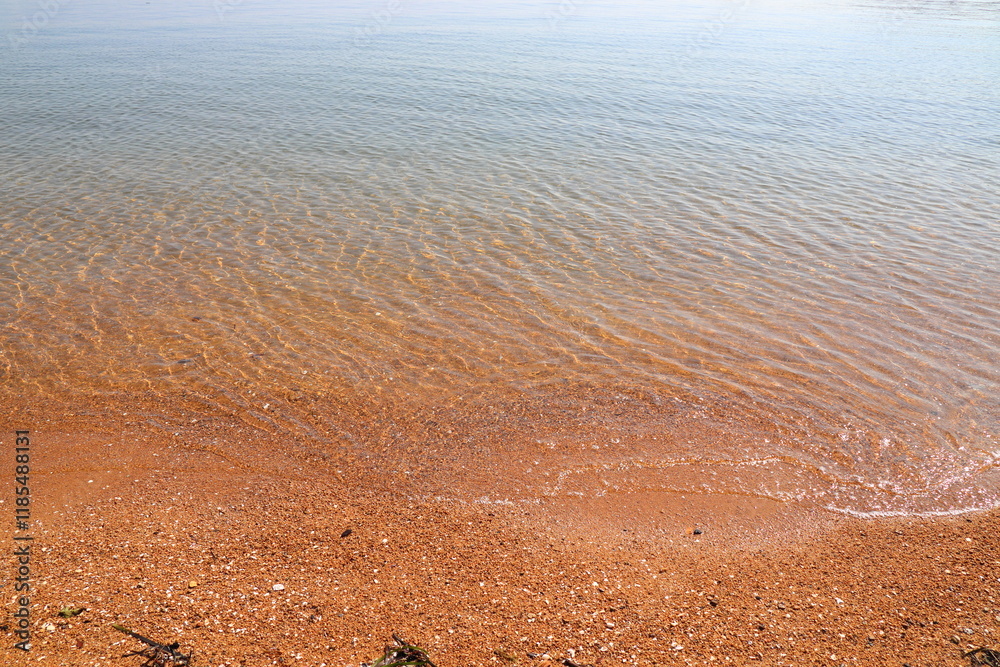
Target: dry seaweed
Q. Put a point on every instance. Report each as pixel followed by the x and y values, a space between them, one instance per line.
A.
pixel 156 653
pixel 402 653
pixel 983 657
pixel 569 663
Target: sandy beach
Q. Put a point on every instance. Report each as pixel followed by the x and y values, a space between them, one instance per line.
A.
pixel 538 333
pixel 248 562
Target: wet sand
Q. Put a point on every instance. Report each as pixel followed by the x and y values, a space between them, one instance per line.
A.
pixel 181 540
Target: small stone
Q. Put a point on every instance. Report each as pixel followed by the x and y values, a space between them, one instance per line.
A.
pixel 48 627
pixel 956 640
pixel 278 587
pixel 697 531
pixel 192 584
pixel 346 533
pixel 968 631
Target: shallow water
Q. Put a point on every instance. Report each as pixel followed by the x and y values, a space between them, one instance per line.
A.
pixel 721 247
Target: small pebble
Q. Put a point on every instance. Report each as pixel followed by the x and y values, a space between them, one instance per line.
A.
pixel 346 532
pixel 278 587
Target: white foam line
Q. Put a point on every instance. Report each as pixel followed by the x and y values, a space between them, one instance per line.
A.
pixel 885 514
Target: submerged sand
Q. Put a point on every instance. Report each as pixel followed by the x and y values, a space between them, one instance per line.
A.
pixel 186 543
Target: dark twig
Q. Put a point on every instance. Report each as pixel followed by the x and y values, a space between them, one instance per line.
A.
pixel 157 654
pixel 983 657
pixel 402 654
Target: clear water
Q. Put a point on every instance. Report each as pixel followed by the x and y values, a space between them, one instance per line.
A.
pixel 744 247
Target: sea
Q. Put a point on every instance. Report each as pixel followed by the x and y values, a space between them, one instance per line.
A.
pixel 520 249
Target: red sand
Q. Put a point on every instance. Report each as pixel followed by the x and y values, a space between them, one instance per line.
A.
pixel 186 542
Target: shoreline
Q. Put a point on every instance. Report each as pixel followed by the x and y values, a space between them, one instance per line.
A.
pixel 478 584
